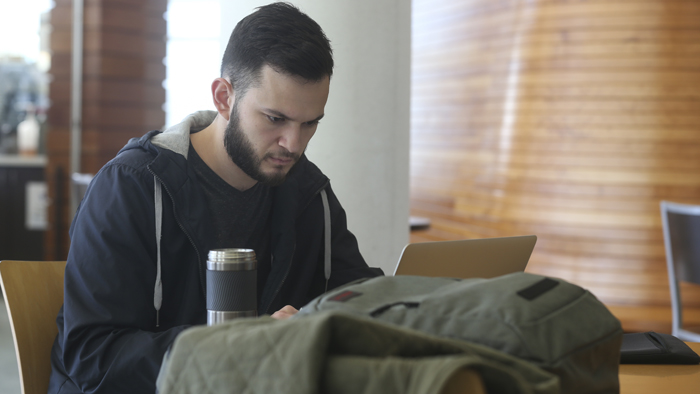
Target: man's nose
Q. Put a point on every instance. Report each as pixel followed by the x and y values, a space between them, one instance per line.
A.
pixel 292 139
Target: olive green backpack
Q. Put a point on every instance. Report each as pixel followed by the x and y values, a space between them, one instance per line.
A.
pixel 554 324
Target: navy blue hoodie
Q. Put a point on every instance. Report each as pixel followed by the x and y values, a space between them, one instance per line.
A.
pixel 124 302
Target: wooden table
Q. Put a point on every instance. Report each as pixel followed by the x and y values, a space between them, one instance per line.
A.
pixel 671 379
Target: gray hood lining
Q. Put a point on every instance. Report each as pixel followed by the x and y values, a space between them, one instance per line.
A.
pixel 177 138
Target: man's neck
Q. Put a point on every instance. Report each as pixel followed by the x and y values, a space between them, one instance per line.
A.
pixel 209 144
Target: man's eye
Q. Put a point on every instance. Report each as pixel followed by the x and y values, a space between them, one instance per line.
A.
pixel 313 123
pixel 274 119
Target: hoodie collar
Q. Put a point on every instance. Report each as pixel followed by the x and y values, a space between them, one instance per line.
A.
pixel 177 138
pixel 306 177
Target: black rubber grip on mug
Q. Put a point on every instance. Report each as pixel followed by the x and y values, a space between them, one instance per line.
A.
pixel 232 291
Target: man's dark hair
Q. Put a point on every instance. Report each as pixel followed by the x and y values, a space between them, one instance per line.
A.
pixel 283 37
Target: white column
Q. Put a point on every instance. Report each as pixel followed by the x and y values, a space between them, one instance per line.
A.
pixel 362 144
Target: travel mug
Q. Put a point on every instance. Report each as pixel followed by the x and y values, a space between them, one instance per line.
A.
pixel 231 285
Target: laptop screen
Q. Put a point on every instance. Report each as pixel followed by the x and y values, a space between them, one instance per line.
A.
pixel 471 258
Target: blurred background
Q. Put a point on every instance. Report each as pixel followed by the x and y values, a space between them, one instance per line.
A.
pixel 571 120
pixel 24 63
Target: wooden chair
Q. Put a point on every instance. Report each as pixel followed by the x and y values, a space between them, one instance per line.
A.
pixel 33 292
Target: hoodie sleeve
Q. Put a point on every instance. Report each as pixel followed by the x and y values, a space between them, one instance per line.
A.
pixel 110 342
pixel 347 264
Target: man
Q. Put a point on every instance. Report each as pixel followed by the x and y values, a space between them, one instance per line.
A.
pixel 236 177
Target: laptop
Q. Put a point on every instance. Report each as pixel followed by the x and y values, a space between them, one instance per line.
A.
pixel 471 258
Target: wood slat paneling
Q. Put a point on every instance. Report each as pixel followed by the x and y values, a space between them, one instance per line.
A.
pixel 570 120
pixel 123 94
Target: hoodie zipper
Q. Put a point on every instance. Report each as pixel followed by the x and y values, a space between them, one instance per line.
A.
pixel 177 220
pixel 286 274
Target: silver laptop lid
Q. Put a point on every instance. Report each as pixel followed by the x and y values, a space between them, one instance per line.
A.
pixel 471 258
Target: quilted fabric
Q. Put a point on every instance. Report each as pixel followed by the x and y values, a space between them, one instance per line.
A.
pixel 334 352
pixel 554 324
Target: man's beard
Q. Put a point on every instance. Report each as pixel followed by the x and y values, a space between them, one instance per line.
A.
pixel 242 153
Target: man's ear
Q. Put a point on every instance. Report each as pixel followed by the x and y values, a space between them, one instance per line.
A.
pixel 222 93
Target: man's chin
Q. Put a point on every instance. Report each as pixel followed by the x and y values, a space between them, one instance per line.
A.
pixel 273 178
pixel 274 175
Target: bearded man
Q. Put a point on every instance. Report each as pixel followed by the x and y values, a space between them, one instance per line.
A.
pixel 236 177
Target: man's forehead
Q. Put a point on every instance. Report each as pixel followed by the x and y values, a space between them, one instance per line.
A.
pixel 271 73
pixel 291 96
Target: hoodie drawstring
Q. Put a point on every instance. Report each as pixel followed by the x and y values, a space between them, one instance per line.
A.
pixel 158 290
pixel 327 236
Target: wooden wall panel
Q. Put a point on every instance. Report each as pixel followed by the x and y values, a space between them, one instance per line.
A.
pixel 571 120
pixel 123 95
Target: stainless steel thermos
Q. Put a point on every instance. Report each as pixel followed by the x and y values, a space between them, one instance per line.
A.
pixel 231 285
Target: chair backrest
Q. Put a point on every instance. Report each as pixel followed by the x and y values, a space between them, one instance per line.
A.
pixel 33 292
pixel 79 184
pixel 681 225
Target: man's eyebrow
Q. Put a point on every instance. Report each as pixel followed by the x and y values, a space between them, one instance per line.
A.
pixel 281 115
pixel 317 119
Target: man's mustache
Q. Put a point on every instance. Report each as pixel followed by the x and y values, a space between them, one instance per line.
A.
pixel 285 154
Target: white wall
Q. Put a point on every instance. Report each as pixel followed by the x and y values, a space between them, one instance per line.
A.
pixel 363 141
pixel 193 57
